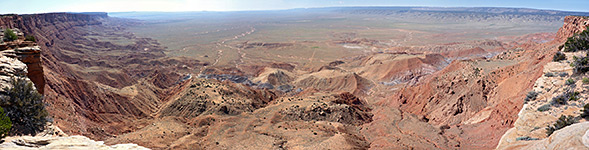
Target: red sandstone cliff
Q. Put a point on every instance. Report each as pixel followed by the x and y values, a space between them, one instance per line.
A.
pixel 31 56
pixel 572 25
pixel 96 88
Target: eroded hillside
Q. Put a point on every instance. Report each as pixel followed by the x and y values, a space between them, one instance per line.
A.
pixel 95 86
pixel 347 92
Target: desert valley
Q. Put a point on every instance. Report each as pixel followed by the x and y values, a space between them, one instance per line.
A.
pixel 308 78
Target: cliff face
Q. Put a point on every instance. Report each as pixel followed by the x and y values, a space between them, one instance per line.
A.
pixel 31 56
pixel 27 52
pixel 95 87
pixel 541 112
pixel 10 67
pixel 572 25
pixel 56 23
pixel 30 22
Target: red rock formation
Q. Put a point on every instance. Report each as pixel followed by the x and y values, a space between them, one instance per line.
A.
pixel 475 101
pixel 97 88
pixel 32 57
pixel 572 25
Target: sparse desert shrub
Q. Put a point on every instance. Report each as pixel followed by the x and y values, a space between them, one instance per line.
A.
pixel 544 108
pixel 563 99
pixel 5 124
pixel 525 138
pixel 585 112
pixel 30 38
pixel 531 96
pixel 580 65
pixel 577 42
pixel 477 71
pixel 563 74
pixel 569 82
pixel 25 108
pixel 585 80
pixel 549 74
pixel 9 35
pixel 559 56
pixel 562 122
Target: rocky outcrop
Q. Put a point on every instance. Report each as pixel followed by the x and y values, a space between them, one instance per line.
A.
pixel 210 97
pixel 31 56
pixel 274 76
pixel 572 25
pixel 397 68
pixel 540 112
pixel 334 80
pixel 575 137
pixel 53 138
pixel 344 108
pixel 27 52
pixel 10 67
pixel 69 142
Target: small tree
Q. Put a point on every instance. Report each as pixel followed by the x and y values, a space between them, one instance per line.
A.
pixel 531 96
pixel 562 122
pixel 25 108
pixel 577 42
pixel 585 112
pixel 569 82
pixel 563 99
pixel 559 56
pixel 30 38
pixel 5 124
pixel 9 35
pixel 585 80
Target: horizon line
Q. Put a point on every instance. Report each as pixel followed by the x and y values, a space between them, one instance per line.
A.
pixel 258 10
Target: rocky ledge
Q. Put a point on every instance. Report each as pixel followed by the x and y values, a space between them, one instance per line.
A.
pixel 67 142
pixel 560 92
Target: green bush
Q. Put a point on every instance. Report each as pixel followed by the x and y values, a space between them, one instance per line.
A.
pixel 585 80
pixel 525 138
pixel 531 96
pixel 559 56
pixel 5 124
pixel 580 65
pixel 577 42
pixel 544 108
pixel 569 82
pixel 30 38
pixel 585 112
pixel 549 74
pixel 25 108
pixel 9 35
pixel 565 97
pixel 562 122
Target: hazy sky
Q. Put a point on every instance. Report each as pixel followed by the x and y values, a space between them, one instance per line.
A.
pixel 41 6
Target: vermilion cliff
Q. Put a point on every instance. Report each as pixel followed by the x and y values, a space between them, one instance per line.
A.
pixel 572 25
pixel 93 87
